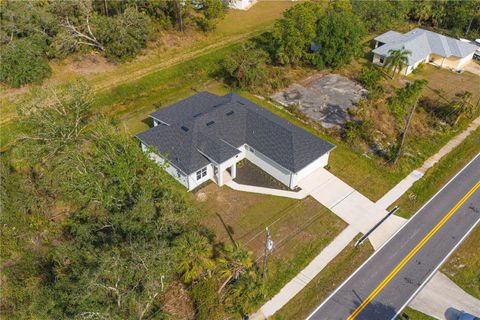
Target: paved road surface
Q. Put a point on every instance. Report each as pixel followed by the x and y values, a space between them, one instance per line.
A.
pixel 380 288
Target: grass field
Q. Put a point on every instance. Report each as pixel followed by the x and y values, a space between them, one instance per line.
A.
pixel 463 267
pixel 300 229
pixel 171 48
pixel 325 282
pixel 438 175
pixel 131 91
pixel 416 315
pixel 443 83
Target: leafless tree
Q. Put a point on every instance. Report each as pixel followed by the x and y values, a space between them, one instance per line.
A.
pixel 87 37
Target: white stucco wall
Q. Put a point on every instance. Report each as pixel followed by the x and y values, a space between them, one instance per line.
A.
pixel 192 179
pixel 319 163
pixel 242 4
pixel 268 165
pixel 280 173
pixel 174 172
pixel 407 69
pixel 462 62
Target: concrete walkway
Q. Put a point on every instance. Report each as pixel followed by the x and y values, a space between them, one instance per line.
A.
pixel 443 299
pixel 361 214
pixel 306 275
pixel 262 190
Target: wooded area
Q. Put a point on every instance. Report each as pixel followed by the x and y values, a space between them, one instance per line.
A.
pixel 32 32
pixel 91 227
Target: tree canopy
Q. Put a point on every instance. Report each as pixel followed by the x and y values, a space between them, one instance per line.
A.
pixel 293 34
pixel 23 61
pixel 117 29
pixel 339 38
pixel 94 228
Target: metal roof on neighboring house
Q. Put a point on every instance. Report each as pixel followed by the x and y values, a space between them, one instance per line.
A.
pixel 206 127
pixel 422 43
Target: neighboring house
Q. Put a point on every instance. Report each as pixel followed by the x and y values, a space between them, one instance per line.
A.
pixel 242 4
pixel 426 47
pixel 204 136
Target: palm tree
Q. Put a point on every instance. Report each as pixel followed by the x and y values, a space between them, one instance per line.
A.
pixel 423 10
pixel 195 253
pixel 234 262
pixel 412 92
pixel 463 108
pixel 396 60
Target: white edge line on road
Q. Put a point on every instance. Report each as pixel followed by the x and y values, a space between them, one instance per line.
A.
pixel 391 237
pixel 435 270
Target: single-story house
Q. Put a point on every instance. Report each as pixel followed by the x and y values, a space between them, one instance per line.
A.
pixel 426 47
pixel 204 136
pixel 241 4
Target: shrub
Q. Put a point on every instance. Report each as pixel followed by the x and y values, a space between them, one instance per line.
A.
pixel 370 78
pixel 246 67
pixel 23 61
pixel 206 299
pixel 354 130
pixel 125 35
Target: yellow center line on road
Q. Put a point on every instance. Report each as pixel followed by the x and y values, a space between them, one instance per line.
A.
pixel 412 253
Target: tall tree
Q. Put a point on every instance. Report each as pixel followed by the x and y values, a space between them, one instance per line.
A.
pixel 464 108
pixel 293 34
pixel 408 96
pixel 56 118
pixel 422 10
pixel 195 255
pixel 23 61
pixel 235 260
pixel 396 60
pixel 339 37
pixel 245 66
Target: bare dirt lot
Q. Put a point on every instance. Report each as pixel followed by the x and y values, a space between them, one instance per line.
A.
pixel 323 98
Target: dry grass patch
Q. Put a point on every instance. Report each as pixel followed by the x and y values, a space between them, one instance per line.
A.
pixel 300 229
pixel 447 84
pixel 325 282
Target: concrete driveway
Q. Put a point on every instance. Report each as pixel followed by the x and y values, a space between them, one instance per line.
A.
pixel 350 205
pixel 473 67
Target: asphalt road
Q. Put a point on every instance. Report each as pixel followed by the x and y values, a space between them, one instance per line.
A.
pixel 382 286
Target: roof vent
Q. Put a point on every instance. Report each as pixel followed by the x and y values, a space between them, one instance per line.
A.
pixel 229 113
pixel 185 128
pixel 197 115
pixel 210 123
pixel 239 102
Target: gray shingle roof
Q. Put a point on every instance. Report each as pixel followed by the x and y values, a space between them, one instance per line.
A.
pixel 206 126
pixel 422 43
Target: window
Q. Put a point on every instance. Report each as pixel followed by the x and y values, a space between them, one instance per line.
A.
pixel 382 59
pixel 201 173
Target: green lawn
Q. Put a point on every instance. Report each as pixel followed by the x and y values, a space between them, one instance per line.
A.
pixel 132 98
pixel 325 282
pixel 300 229
pixel 416 315
pixel 438 175
pixel 463 267
pixel 171 48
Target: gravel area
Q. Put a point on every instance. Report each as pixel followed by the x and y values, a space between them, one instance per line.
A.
pixel 323 98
